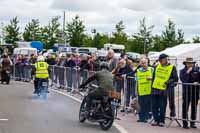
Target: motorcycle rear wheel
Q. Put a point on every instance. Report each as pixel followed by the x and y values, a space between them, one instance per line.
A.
pixel 107 124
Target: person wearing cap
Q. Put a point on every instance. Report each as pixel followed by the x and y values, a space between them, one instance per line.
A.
pixel 165 78
pixel 190 75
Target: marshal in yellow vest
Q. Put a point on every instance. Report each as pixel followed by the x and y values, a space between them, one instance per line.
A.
pixel 162 75
pixel 144 85
pixel 41 70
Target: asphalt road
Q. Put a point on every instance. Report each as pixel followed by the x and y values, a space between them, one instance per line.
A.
pixel 25 114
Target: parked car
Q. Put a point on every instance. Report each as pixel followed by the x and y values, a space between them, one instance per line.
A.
pixel 87 50
pixel 133 55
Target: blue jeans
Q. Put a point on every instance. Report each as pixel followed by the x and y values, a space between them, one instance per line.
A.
pixel 145 107
pixel 27 73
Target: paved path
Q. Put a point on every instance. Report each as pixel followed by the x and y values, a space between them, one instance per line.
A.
pixel 59 114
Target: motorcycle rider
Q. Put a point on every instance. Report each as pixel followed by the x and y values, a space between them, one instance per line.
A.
pixel 41 72
pixel 104 80
pixel 6 64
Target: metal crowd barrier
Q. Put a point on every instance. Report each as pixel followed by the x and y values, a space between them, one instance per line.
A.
pixel 185 100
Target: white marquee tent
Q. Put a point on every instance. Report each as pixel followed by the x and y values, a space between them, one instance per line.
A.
pixel 178 54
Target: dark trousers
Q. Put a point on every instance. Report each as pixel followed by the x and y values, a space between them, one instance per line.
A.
pixel 36 85
pixel 190 96
pixel 159 103
pixel 145 107
pixel 69 74
pixel 40 86
pixel 171 99
pixel 61 75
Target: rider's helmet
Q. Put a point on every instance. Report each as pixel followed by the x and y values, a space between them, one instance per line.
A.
pixel 40 58
pixel 104 65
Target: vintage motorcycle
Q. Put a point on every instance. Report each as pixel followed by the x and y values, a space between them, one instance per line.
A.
pixel 102 110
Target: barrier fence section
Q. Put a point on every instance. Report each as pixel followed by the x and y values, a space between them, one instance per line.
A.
pixel 183 100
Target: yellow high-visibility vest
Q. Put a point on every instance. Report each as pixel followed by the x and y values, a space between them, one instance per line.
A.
pixel 144 85
pixel 162 75
pixel 41 70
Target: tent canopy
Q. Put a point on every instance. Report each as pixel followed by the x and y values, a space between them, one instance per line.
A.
pixel 181 51
pixel 178 54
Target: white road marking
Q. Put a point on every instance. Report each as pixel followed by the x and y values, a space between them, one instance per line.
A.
pixel 120 128
pixel 3 119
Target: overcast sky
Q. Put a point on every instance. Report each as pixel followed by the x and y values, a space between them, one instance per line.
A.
pixel 104 14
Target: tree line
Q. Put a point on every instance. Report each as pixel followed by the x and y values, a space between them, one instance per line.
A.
pixel 75 34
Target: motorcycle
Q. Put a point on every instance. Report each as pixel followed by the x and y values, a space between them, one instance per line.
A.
pixel 102 110
pixel 42 88
pixel 5 76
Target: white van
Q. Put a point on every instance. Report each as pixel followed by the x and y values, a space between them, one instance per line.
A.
pixel 87 50
pixel 117 48
pixel 25 51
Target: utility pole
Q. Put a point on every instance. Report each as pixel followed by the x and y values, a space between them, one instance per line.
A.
pixel 64 21
pixel 2 33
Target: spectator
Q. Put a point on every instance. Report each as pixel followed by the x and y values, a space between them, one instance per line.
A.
pixel 84 68
pixel 70 64
pixel 144 83
pixel 76 75
pixel 84 63
pixel 26 69
pixel 6 66
pixel 112 61
pixel 123 69
pixel 60 71
pixel 61 60
pixel 95 64
pixel 32 59
pixel 18 68
pixel 50 60
pixel 190 74
pixel 77 60
pixel 69 61
pixel 164 79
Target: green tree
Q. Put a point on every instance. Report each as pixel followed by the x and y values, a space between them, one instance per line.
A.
pixel 32 31
pixel 142 41
pixel 119 36
pixel 157 43
pixel 50 34
pixel 169 35
pixel 196 39
pixel 180 37
pixel 75 32
pixel 12 33
pixel 99 39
